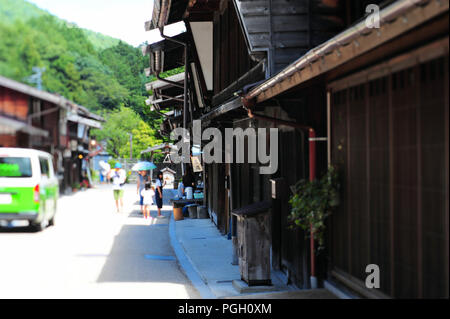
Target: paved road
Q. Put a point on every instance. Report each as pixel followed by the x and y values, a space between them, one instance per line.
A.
pixel 93 252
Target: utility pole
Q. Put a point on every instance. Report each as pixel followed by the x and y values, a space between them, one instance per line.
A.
pixel 131 146
pixel 36 78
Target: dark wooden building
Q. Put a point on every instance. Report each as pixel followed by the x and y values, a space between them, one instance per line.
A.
pixel 384 106
pixel 31 118
pixel 317 64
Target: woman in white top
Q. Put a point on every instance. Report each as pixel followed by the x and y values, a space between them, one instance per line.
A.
pixel 147 194
pixel 119 177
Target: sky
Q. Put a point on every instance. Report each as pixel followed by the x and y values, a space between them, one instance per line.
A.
pixel 121 19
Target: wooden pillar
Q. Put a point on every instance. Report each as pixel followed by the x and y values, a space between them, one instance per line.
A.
pixel 391 183
pixel 446 112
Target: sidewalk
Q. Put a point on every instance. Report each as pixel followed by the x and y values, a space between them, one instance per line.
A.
pixel 206 255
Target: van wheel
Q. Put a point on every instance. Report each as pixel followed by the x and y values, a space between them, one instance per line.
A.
pixel 51 222
pixel 37 227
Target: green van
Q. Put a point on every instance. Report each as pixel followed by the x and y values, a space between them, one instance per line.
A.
pixel 29 189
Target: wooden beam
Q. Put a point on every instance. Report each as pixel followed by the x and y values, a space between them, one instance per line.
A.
pixel 423 54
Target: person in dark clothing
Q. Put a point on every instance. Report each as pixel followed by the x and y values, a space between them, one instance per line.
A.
pixel 188 179
pixel 160 183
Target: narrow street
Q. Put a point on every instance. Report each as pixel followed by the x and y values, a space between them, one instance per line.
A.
pixel 94 252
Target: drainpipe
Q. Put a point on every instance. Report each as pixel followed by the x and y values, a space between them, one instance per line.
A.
pixel 312 170
pixel 158 71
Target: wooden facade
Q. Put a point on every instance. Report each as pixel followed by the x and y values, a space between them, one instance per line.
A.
pixel 389 138
pixel 14 104
pixel 387 131
pixel 284 30
pixel 231 58
pixel 30 118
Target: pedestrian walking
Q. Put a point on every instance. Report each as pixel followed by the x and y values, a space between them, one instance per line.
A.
pixel 143 178
pixel 118 176
pixel 159 185
pixel 104 169
pixel 147 194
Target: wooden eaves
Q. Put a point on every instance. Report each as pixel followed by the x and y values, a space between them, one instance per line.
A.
pixel 158 84
pixel 58 100
pixel 166 12
pixel 343 48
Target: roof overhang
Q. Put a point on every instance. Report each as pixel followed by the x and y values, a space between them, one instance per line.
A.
pixel 161 103
pixel 160 84
pixel 232 105
pixel 11 126
pixel 83 120
pixel 33 92
pixel 48 97
pixel 160 147
pixel 171 11
pixel 395 20
pixel 166 12
pixel 83 111
pixel 165 55
pixel 166 169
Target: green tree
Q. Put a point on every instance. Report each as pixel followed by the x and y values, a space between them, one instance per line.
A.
pixel 143 137
pixel 103 74
pixel 116 129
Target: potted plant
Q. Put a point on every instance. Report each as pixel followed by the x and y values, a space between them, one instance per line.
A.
pixel 75 187
pixel 314 201
pixel 84 184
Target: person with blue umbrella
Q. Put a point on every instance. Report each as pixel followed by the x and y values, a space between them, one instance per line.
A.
pixel 143 166
pixel 142 169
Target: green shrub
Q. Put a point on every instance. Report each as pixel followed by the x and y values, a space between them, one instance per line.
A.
pixel 313 202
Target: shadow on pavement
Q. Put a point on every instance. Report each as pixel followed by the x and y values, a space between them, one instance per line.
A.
pixel 142 253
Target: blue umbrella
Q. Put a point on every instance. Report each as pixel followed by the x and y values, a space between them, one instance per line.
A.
pixel 143 166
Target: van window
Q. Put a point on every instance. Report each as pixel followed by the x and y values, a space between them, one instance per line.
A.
pixel 15 167
pixel 45 168
pixel 51 169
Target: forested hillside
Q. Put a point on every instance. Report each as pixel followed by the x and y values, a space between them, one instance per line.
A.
pixel 101 73
pixel 13 10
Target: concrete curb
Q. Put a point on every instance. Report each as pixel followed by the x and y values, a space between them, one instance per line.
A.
pixel 187 265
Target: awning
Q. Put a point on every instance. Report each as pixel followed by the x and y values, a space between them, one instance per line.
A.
pixel 159 84
pixel 10 126
pixel 83 120
pixel 165 55
pixel 225 108
pixel 152 101
pixel 159 147
pixel 166 12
